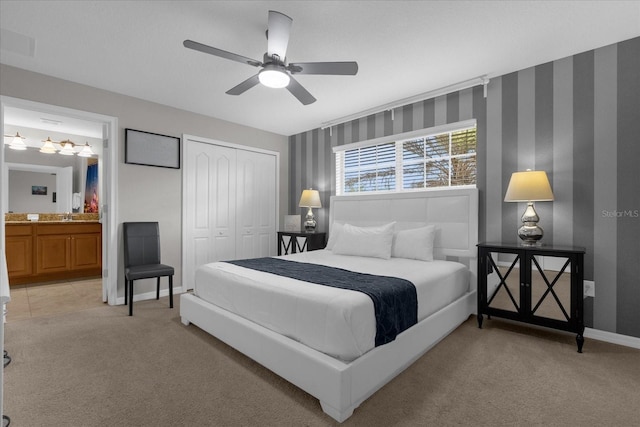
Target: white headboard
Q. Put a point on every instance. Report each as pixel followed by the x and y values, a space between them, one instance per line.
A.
pixel 454 212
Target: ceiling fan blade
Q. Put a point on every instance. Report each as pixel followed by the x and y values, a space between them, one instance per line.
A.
pixel 300 92
pixel 278 34
pixel 244 86
pixel 221 53
pixel 335 68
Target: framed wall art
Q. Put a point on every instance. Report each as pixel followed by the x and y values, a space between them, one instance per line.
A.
pixel 39 190
pixel 151 149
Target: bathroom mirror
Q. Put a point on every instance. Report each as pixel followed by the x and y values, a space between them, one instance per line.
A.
pixel 39 188
pixel 70 196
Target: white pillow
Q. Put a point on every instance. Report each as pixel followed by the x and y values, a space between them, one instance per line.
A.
pixel 416 243
pixel 365 241
pixel 334 232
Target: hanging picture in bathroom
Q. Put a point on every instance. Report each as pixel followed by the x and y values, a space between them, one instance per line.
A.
pixel 39 190
pixel 91 190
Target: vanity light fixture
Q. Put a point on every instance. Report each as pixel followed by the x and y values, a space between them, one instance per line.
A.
pixel 86 151
pixel 17 142
pixel 67 148
pixel 48 147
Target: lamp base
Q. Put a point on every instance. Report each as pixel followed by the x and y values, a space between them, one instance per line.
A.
pixel 310 222
pixel 530 233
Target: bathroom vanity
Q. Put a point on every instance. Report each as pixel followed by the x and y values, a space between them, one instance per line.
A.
pixel 53 250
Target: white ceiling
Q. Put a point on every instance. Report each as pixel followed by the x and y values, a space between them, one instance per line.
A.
pixel 21 118
pixel 403 48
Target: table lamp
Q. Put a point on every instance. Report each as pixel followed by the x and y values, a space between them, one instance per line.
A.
pixel 529 186
pixel 310 199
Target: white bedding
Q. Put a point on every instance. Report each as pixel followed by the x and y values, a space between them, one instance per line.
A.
pixel 338 322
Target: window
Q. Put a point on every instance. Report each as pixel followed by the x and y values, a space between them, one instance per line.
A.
pixel 436 157
pixel 370 168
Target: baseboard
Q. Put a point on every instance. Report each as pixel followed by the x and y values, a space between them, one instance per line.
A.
pixel 612 338
pixel 177 290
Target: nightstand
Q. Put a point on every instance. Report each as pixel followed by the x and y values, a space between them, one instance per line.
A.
pixel 539 285
pixel 300 242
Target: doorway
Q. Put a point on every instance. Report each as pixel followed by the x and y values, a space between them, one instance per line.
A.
pixel 108 137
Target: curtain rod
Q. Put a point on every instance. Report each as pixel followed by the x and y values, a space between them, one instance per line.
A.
pixel 483 80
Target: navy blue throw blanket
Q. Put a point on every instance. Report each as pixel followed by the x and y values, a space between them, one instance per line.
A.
pixel 394 300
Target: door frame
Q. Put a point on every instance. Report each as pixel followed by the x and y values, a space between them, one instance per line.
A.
pixel 108 163
pixel 186 139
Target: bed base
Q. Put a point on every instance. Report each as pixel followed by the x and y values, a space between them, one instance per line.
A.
pixel 341 387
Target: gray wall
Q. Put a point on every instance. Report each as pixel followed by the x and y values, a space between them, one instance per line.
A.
pixel 145 193
pixel 577 118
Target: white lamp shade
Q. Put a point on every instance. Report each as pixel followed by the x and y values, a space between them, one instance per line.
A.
pixel 529 186
pixel 310 199
pixel 67 148
pixel 17 143
pixel 48 147
pixel 86 151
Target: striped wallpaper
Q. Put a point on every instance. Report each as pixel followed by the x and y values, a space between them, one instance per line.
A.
pixel 577 118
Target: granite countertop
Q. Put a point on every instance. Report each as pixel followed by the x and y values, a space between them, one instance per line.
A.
pixel 51 218
pixel 75 221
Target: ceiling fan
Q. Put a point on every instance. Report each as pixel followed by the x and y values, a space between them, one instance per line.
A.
pixel 276 73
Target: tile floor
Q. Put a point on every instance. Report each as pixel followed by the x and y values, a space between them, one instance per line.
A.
pixel 29 301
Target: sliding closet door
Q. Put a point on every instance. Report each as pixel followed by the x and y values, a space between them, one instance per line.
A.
pixel 230 204
pixel 255 204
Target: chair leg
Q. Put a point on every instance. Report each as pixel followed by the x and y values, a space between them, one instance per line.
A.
pixel 126 289
pixel 170 291
pixel 131 299
pixel 158 289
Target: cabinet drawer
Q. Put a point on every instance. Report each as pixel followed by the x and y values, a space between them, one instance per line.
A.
pixel 70 228
pixel 19 230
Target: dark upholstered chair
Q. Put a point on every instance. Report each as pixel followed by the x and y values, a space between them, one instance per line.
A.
pixel 142 258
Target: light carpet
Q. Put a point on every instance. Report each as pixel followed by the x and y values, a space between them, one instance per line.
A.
pixel 100 367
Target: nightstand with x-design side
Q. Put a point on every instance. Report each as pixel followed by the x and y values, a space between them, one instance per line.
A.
pixel 299 242
pixel 539 285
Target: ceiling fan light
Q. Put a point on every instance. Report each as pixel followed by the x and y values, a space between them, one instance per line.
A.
pixel 274 78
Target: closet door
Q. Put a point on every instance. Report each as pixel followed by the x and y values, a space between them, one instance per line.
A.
pixel 230 204
pixel 255 204
pixel 209 197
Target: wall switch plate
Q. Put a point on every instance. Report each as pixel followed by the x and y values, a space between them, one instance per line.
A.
pixel 33 217
pixel 589 288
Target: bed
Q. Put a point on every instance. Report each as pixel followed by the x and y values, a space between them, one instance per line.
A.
pixel 345 370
